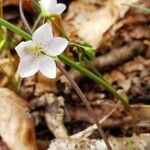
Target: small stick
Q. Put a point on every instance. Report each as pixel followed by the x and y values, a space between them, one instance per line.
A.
pixel 88 131
pixel 88 106
pixel 118 56
pixel 24 20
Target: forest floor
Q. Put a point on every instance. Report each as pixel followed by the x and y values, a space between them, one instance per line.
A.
pixel 121 38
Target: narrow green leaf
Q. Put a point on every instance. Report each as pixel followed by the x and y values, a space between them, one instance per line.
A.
pixel 138 6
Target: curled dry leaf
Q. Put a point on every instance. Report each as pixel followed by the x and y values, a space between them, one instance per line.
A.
pixel 54 115
pixel 90 22
pixel 16 126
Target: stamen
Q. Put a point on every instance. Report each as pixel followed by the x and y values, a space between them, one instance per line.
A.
pixel 36 49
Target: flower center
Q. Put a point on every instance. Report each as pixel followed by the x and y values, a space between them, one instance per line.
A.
pixel 36 49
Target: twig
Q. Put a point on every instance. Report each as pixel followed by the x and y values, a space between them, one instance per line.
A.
pixel 89 108
pixel 119 56
pixel 88 131
pixel 24 20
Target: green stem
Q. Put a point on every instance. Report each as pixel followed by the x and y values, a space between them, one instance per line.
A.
pixel 58 27
pixel 36 22
pixel 94 69
pixel 2 44
pixel 92 76
pixel 71 63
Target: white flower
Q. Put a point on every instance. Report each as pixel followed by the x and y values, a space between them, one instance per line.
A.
pixel 37 54
pixel 51 7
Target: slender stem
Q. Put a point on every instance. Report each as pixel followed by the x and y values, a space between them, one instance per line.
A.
pixel 92 76
pixel 88 131
pixel 2 44
pixel 24 20
pixel 58 27
pixel 94 69
pixel 36 22
pixel 97 72
pixel 36 4
pixel 88 106
pixel 138 6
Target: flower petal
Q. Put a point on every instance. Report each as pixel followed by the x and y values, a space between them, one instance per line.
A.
pixel 47 66
pixel 51 4
pixel 43 34
pixel 21 49
pixel 58 9
pixel 28 67
pixel 56 46
pixel 48 3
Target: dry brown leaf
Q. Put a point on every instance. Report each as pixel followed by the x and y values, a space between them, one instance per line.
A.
pixel 120 78
pixel 115 76
pixel 5 63
pixel 43 85
pixel 133 26
pixel 16 125
pixel 90 22
pixel 39 84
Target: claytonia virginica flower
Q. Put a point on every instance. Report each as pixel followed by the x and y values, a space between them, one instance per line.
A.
pixel 37 54
pixel 49 7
